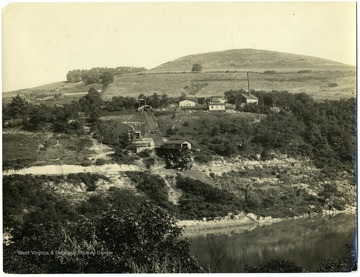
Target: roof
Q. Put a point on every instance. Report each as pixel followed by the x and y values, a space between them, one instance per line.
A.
pixel 186 100
pixel 216 102
pixel 249 96
pixel 141 144
pixel 176 141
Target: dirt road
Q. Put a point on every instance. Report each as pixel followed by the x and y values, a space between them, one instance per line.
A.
pixel 107 169
pixel 152 128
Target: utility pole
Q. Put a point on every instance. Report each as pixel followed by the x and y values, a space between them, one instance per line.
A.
pixel 248 80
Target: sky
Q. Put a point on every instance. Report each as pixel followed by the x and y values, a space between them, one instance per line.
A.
pixel 41 42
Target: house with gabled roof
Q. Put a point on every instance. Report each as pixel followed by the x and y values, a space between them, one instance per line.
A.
pixel 247 98
pixel 187 104
pixel 177 144
pixel 216 104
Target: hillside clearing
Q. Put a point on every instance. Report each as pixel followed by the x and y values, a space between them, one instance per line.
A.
pixel 208 84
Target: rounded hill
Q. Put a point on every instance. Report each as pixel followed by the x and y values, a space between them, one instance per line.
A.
pixel 247 59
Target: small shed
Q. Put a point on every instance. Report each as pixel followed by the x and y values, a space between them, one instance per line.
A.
pixel 176 144
pixel 186 104
pixel 142 144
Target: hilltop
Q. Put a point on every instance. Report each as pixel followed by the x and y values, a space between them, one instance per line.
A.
pixel 249 59
pixel 225 70
pixel 222 71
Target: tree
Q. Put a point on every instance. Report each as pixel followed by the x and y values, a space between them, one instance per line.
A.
pixel 145 241
pixel 38 117
pixel 90 76
pixel 183 96
pixel 196 67
pixel 18 107
pixel 74 76
pixel 107 77
pixel 91 104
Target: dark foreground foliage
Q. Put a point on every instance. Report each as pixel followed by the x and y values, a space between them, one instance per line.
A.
pixel 333 264
pixel 146 241
pixel 201 200
pixel 153 186
pixel 275 266
pixel 346 263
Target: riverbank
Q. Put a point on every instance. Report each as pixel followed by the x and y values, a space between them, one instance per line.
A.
pixel 242 222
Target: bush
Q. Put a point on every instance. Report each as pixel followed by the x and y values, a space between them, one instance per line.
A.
pixel 153 186
pixel 201 200
pixel 86 162
pixel 100 162
pixel 275 266
pixel 87 178
pixel 336 264
pixel 270 72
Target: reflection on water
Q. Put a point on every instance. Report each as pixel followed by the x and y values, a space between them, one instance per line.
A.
pixel 305 241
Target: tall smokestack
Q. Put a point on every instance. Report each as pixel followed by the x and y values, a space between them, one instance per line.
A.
pixel 248 80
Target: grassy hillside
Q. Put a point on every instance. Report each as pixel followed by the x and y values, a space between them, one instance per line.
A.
pixel 53 93
pixel 319 84
pixel 249 59
pixel 222 71
pixel 322 79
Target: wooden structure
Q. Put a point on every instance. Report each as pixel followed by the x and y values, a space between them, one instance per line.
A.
pixel 176 145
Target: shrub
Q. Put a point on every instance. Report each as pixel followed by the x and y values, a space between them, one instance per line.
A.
pixel 86 162
pixel 201 200
pixel 153 186
pixel 275 266
pixel 100 162
pixel 87 178
pixel 270 72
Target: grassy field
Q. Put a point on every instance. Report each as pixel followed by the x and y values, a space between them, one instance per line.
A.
pixel 186 125
pixel 325 79
pixel 22 145
pixel 126 122
pixel 54 93
pixel 321 85
pixel 44 148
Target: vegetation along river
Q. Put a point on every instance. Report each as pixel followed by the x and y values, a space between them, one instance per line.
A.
pixel 305 241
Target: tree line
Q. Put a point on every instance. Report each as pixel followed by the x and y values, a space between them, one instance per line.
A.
pixel 104 75
pixel 70 118
pixel 295 125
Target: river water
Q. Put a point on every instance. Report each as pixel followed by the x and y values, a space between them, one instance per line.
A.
pixel 305 241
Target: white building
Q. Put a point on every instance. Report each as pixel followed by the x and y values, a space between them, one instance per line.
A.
pixel 142 144
pixel 216 105
pixel 186 104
